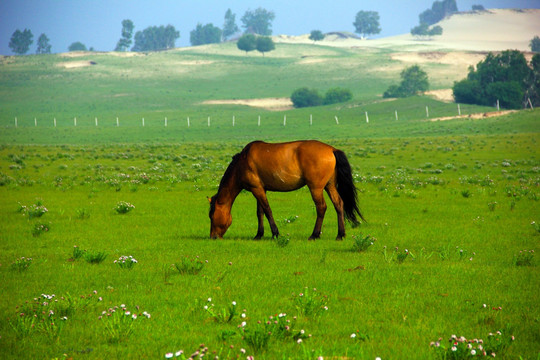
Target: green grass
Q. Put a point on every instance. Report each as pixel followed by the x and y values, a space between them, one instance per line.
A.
pixel 460 196
pixel 410 192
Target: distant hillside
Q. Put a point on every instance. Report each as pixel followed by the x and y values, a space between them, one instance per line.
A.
pixel 489 30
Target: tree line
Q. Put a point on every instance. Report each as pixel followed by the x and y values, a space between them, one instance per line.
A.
pixel 257 22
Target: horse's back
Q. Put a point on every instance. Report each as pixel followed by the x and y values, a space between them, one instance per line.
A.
pixel 290 165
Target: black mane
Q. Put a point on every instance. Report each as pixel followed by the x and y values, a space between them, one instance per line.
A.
pixel 226 177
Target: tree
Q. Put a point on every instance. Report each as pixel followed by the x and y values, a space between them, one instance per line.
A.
pixel 229 27
pixel 247 43
pixel 413 80
pixel 505 77
pixel 423 30
pixel 264 44
pixel 367 23
pixel 43 46
pixel 439 10
pixel 207 34
pixel 533 89
pixel 258 21
pixel 316 35
pixel 155 38
pixel 127 33
pixel 535 44
pixel 77 46
pixel 305 97
pixel 20 41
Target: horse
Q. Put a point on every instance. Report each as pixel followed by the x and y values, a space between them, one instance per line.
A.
pixel 284 167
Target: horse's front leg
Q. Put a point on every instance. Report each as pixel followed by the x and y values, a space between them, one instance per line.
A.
pixel 260 220
pixel 262 201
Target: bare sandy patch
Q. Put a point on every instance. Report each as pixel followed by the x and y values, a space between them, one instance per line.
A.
pixel 475 116
pixel 195 62
pixel 308 60
pixel 437 57
pixel 125 54
pixel 76 64
pixel 446 95
pixel 272 104
pixel 75 54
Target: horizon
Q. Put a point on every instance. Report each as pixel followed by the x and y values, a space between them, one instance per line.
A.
pixel 73 19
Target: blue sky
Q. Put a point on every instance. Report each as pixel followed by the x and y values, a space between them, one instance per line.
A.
pixel 97 23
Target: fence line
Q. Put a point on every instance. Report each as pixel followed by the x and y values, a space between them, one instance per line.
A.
pixel 166 122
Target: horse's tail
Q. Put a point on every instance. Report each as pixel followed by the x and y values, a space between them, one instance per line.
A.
pixel 346 189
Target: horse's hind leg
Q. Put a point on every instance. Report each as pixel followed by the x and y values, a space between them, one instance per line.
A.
pixel 262 201
pixel 320 205
pixel 260 221
pixel 338 205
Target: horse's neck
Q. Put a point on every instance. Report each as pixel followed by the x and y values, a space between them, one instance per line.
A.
pixel 228 192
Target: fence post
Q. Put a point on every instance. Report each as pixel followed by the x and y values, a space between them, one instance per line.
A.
pixel 15 122
pixel 459 110
pixel 337 121
pixel 143 122
pixel 427 112
pixel 396 116
pixel 310 119
pixel 498 108
pixel 35 121
pixel 96 122
pixel 259 121
pixel 209 121
pixel 117 122
pixel 367 118
pixel 233 120
pixel 165 121
pixel 188 121
pixel 74 121
pixel 284 120
pixel 530 103
pixel 54 122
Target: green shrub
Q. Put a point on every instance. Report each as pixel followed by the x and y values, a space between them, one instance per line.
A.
pixel 337 95
pixel 305 97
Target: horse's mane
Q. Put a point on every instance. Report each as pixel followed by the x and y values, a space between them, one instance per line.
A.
pixel 226 177
pixel 230 169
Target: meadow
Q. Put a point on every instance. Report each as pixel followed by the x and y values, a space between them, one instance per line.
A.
pixel 105 249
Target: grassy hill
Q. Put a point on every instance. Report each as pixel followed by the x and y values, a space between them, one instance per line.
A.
pixel 44 89
pixel 173 84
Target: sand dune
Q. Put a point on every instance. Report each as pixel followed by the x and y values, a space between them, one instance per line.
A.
pixel 491 30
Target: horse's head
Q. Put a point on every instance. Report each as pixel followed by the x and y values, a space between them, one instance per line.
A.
pixel 220 218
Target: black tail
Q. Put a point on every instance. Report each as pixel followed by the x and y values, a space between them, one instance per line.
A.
pixel 346 188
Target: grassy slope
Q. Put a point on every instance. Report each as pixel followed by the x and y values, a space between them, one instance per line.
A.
pixel 412 177
pixel 174 83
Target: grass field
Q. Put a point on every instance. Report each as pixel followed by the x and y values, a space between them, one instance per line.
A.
pixel 451 208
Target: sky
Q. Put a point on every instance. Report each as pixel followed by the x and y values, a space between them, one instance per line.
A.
pixel 98 23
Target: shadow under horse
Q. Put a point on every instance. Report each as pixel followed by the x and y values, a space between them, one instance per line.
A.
pixel 283 167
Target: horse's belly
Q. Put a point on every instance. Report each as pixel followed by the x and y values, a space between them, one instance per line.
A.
pixel 279 181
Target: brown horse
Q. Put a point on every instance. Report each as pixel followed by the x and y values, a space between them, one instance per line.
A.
pixel 262 167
